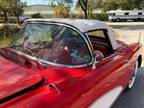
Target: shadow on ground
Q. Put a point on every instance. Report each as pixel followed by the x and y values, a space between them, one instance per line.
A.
pixel 135 97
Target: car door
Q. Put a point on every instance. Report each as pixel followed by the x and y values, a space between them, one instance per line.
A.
pixel 102 85
pixel 110 77
pixel 111 74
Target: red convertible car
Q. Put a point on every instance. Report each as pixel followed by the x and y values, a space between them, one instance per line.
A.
pixel 66 63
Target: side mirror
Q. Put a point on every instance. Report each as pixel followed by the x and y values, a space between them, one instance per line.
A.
pixel 98 57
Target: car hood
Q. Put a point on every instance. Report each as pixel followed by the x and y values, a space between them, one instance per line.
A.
pixel 15 78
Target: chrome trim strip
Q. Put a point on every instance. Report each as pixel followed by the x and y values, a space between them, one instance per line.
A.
pixel 46 62
pixel 91 47
pixel 55 87
pixel 89 41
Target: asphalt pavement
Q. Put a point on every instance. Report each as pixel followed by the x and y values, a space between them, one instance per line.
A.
pixel 129 32
pixel 133 98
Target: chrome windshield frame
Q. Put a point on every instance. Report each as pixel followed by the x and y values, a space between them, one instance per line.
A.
pixel 83 35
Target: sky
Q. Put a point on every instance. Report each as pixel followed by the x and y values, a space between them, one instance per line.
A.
pixel 35 2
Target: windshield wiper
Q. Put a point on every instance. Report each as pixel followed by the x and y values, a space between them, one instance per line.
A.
pixel 36 57
pixel 33 54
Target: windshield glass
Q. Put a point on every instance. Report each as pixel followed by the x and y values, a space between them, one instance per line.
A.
pixel 53 43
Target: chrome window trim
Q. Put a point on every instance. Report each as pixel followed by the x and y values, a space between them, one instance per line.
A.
pixel 89 41
pixel 91 47
pixel 86 39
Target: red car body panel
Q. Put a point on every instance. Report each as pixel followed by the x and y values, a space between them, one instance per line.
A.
pixel 15 78
pixel 79 87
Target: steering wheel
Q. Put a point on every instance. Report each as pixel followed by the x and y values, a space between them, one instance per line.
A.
pixel 99 55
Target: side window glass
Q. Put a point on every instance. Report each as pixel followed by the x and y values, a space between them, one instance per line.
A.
pixel 140 13
pixel 126 13
pixel 100 42
pixel 98 33
pixel 114 14
pixel 76 46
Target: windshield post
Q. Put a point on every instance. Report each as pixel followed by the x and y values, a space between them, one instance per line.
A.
pixel 36 57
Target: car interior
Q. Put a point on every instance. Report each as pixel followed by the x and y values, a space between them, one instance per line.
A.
pixel 100 42
pixel 68 47
pixel 65 48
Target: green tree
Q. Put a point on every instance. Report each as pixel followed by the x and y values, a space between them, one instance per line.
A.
pixel 62 11
pixel 14 7
pixel 107 5
pixel 84 6
pixel 110 5
pixel 91 7
pixel 87 6
pixel 131 4
pixel 62 7
pixel 17 8
pixel 66 3
pixel 37 15
pixel 4 8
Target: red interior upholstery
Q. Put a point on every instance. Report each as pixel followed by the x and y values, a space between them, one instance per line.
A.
pixel 58 52
pixel 61 51
pixel 100 44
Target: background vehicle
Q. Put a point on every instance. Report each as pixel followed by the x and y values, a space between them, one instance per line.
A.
pixel 126 15
pixel 22 19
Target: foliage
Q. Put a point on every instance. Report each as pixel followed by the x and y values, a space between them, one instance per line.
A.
pixel 61 11
pixel 37 15
pixel 83 4
pixel 7 33
pixel 17 8
pixel 62 7
pixel 4 8
pixel 87 6
pixel 91 7
pixel 66 3
pixel 100 16
pixel 78 16
pixel 11 7
pixel 107 5
pixel 69 3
